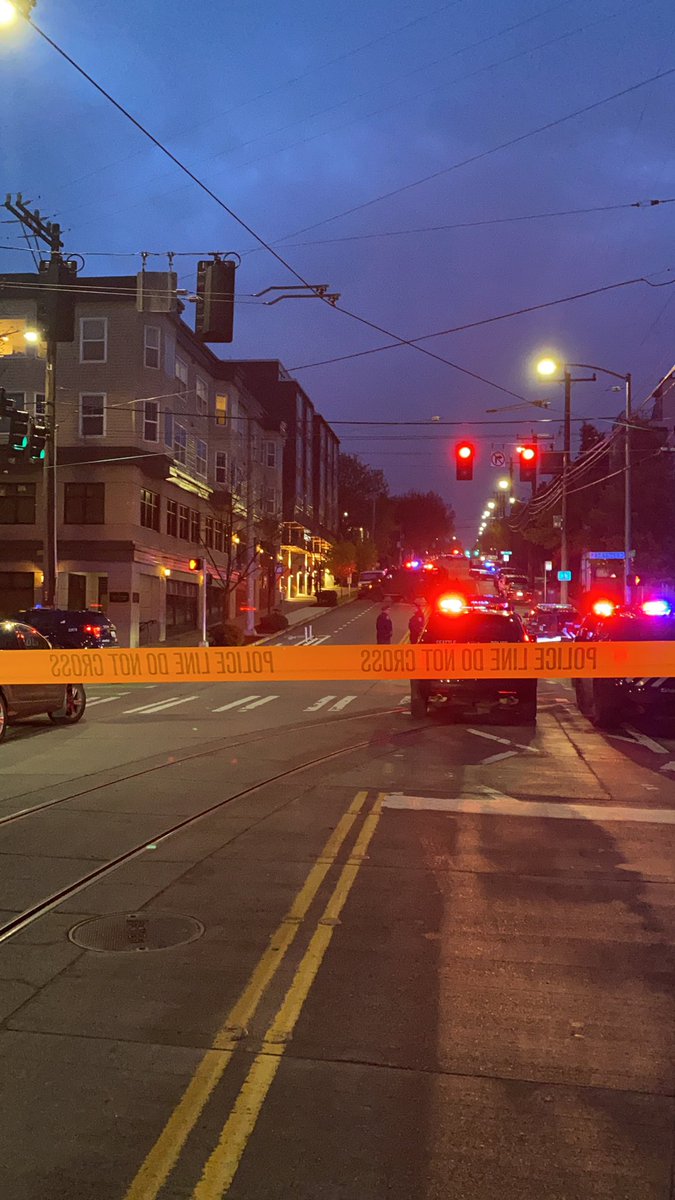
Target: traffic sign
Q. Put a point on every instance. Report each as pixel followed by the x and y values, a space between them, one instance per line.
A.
pixel 498 458
pixel 548 566
pixel 564 576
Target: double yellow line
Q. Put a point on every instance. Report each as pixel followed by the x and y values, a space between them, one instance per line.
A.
pixel 222 1165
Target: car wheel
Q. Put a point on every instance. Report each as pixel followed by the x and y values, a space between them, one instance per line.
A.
pixel 526 713
pixel 4 720
pixel 73 709
pixel 603 710
pixel 419 703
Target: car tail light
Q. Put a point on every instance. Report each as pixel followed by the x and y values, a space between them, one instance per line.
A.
pixel 656 608
pixel 451 604
pixel 93 629
pixel 603 608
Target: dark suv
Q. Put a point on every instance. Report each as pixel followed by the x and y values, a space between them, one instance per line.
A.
pixel 71 630
pixel 453 622
pixel 608 702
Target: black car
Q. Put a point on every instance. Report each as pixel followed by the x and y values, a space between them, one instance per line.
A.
pixel 87 629
pixel 451 620
pixel 608 702
pixel 552 622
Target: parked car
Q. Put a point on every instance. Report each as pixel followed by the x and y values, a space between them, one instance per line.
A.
pixel 450 620
pixel 68 629
pixel 64 704
pixel 370 584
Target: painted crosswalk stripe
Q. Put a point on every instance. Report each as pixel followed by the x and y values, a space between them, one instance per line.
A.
pixel 146 710
pixel 257 703
pixel 485 803
pixel 340 704
pixel 104 699
pixel 493 758
pixel 319 704
pixel 649 743
pixel 234 703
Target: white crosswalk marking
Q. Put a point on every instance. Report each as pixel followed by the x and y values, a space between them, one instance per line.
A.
pixel 319 704
pixel 147 710
pixel 257 703
pixel 234 703
pixel 104 699
pixel 341 704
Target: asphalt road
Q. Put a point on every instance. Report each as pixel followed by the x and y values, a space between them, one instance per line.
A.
pixel 430 958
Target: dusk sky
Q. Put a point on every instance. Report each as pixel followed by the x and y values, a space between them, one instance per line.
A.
pixel 294 113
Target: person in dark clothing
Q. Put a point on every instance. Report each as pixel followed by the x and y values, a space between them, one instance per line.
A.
pixel 384 628
pixel 416 624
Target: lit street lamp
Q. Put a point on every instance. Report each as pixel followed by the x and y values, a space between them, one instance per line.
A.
pixel 547 367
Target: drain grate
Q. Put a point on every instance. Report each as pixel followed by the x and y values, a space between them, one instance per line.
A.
pixel 136 931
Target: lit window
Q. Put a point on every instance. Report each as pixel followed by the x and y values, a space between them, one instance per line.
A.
pixel 92 414
pixel 93 339
pixel 221 410
pixel 151 346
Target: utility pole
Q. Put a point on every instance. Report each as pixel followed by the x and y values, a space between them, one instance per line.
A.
pixel 567 446
pixel 50 308
pixel 628 495
pixel 250 537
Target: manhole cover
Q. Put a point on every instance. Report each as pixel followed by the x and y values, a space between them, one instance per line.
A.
pixel 136 931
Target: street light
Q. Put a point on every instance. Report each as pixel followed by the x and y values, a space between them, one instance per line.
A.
pixel 547 366
pixel 504 484
pixel 30 335
pixel 491 504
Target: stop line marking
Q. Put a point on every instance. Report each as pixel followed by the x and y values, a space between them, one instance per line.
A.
pixel 495 804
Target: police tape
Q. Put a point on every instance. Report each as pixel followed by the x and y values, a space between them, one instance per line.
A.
pixel 239 664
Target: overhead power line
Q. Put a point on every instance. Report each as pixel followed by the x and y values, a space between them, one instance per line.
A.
pixel 244 225
pixel 482 154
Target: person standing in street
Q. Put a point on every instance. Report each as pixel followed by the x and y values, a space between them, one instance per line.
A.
pixel 383 627
pixel 416 624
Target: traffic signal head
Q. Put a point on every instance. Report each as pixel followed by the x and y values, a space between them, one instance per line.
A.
pixel 6 403
pixel 37 443
pixel 214 318
pixel 528 463
pixel 196 564
pixel 464 459
pixel 19 425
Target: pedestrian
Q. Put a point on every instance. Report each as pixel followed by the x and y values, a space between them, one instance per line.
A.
pixel 384 627
pixel 416 624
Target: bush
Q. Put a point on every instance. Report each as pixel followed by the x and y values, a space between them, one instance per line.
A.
pixel 224 634
pixel 327 598
pixel 272 623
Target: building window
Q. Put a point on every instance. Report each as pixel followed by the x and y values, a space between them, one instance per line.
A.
pixel 172 518
pixel 184 522
pixel 17 503
pixel 93 339
pixel 151 421
pixel 19 399
pixel 208 532
pixel 149 509
pixel 195 527
pixel 218 536
pixel 180 444
pixel 270 502
pixel 221 468
pixel 221 410
pixel 270 454
pixel 92 414
pixel 84 504
pixel 181 376
pixel 39 406
pixel 202 392
pixel 201 457
pixel 151 347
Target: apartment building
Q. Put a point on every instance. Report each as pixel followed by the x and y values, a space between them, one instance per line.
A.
pixel 162 456
pixel 310 474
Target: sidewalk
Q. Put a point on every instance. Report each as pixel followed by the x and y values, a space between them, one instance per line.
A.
pixel 304 610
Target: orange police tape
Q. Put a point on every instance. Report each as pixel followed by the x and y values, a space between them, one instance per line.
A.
pixel 239 664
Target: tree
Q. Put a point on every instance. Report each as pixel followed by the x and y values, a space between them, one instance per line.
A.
pixel 341 559
pixel 424 519
pixel 366 555
pixel 360 490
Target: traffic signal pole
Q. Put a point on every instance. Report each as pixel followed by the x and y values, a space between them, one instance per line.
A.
pixel 567 446
pixel 50 551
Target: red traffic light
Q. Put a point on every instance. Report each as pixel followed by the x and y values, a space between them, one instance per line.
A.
pixel 528 463
pixel 464 456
